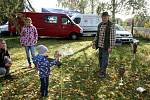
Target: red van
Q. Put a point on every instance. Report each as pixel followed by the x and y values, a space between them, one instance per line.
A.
pixel 52 24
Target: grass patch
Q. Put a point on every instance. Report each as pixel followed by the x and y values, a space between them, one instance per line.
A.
pixel 77 78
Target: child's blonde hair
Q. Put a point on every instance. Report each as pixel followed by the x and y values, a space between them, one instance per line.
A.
pixel 28 19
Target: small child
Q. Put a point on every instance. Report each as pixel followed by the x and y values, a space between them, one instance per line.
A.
pixel 43 65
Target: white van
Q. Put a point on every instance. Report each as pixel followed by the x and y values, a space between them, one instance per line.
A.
pixel 88 22
pixel 4 28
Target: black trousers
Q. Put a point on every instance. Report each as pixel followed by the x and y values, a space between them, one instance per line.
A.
pixel 44 86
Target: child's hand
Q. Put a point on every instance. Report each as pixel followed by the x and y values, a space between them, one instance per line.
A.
pixel 57 55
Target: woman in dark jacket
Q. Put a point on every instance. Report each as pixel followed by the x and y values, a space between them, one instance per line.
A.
pixel 5 61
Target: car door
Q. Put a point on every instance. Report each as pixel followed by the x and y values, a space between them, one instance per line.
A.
pixel 66 26
pixel 51 25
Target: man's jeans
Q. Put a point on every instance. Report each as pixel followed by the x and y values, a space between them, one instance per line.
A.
pixel 44 86
pixel 4 71
pixel 103 60
pixel 28 50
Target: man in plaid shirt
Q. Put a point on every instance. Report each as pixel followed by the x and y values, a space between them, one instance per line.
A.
pixel 104 40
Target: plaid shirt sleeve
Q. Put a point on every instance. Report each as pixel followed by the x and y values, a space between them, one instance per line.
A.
pixel 112 36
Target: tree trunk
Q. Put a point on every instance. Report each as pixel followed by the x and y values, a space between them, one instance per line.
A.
pixel 113 11
pixel 132 25
pixel 92 6
pixel 30 6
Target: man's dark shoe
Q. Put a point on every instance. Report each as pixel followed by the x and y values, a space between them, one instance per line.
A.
pixel 102 75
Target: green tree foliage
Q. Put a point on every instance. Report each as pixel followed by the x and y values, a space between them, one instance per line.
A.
pixel 73 4
pixel 139 10
pixel 147 22
pixel 80 5
pixel 138 7
pixel 139 20
pixel 114 7
pixel 102 6
pixel 9 7
pixel 147 25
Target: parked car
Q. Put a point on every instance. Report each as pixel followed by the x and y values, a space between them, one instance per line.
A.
pixel 51 24
pixel 4 29
pixel 122 35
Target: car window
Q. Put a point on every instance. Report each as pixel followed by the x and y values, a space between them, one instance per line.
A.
pixel 50 19
pixel 65 20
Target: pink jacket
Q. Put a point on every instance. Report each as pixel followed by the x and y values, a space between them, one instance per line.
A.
pixel 28 36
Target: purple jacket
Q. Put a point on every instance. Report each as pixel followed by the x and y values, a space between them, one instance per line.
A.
pixel 28 36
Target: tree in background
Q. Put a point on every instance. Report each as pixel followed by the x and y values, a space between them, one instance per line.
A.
pixel 138 8
pixel 115 6
pixel 9 8
pixel 82 5
pixel 73 4
pixel 102 6
pixel 29 6
pixel 147 24
pixel 9 11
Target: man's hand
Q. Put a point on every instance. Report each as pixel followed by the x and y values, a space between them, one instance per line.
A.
pixel 8 64
pixel 93 45
pixel 109 50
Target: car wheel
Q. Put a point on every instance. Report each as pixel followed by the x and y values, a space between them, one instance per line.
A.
pixel 73 36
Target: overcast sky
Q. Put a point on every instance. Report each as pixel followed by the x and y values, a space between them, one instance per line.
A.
pixel 38 4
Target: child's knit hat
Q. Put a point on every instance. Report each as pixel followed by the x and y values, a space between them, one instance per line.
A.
pixel 42 49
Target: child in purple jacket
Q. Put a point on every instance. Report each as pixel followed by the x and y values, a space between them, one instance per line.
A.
pixel 28 39
pixel 43 65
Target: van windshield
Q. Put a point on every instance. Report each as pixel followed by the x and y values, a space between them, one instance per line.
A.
pixel 77 20
pixel 65 20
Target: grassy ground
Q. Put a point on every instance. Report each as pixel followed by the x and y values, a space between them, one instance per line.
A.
pixel 77 78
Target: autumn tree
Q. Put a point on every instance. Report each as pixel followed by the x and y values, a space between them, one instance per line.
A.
pixel 113 6
pixel 73 4
pixel 8 8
